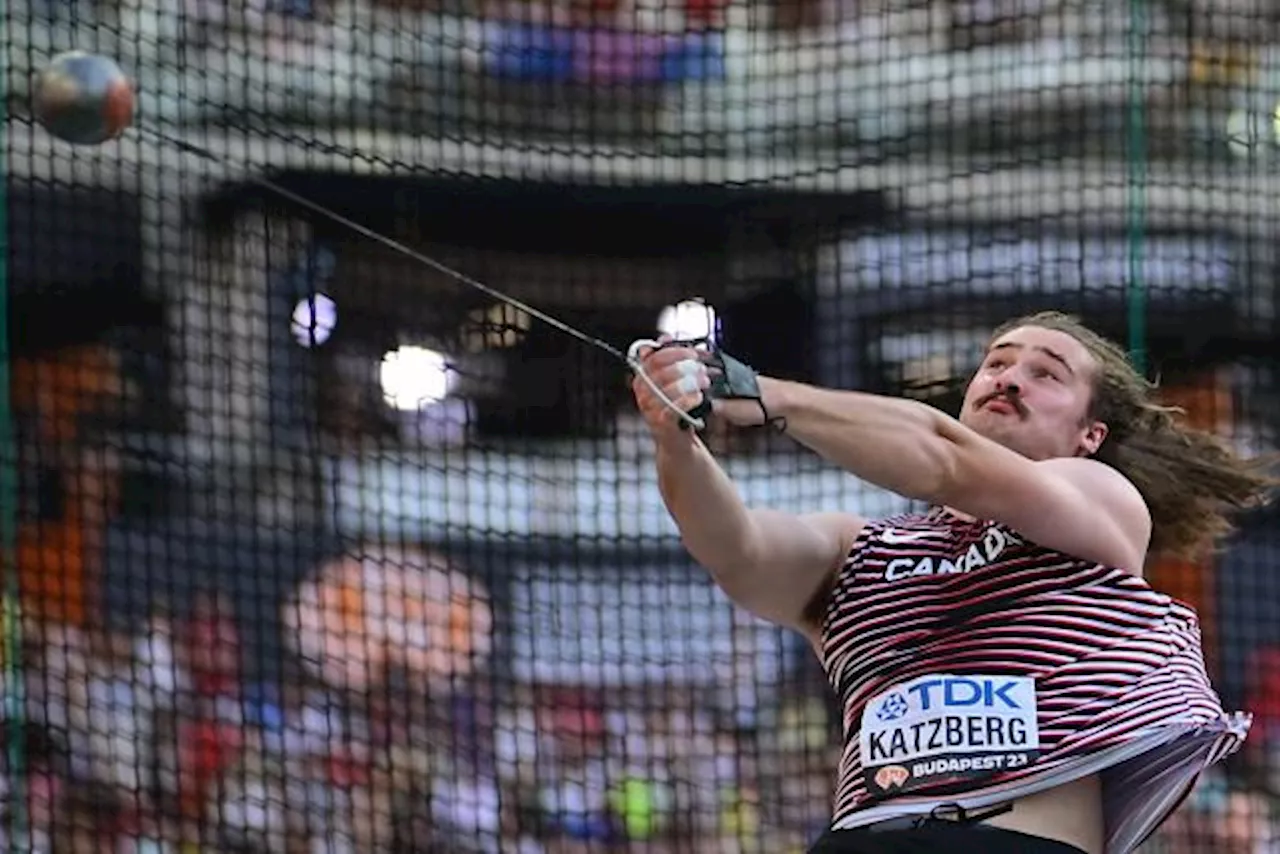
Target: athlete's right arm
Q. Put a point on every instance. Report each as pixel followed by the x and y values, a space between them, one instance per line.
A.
pixel 771 563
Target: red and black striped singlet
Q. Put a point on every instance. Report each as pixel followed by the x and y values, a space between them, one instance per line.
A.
pixel 974 668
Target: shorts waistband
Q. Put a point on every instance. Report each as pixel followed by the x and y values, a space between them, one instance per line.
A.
pixel 941 815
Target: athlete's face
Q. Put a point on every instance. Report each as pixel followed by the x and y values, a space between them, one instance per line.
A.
pixel 1031 394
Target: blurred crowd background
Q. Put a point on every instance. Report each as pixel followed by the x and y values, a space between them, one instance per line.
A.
pixel 310 549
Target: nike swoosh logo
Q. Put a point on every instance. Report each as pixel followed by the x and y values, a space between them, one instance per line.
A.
pixel 890 536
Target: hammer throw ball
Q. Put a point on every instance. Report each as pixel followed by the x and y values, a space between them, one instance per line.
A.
pixel 83 98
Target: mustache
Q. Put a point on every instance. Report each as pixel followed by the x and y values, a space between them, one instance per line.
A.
pixel 1011 399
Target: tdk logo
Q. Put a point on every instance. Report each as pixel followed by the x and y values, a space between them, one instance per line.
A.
pixel 950 693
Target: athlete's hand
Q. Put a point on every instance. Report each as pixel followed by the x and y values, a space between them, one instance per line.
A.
pixel 680 374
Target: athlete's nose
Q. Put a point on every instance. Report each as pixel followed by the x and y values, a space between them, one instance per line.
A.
pixel 1007 386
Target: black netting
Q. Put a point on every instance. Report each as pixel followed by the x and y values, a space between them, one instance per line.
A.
pixel 311 548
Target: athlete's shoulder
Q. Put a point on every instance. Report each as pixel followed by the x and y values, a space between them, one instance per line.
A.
pixel 1091 474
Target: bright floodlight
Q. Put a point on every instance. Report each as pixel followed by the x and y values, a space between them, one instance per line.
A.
pixel 414 377
pixel 313 320
pixel 690 319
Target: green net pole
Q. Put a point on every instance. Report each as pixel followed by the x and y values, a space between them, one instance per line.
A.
pixel 1136 160
pixel 11 617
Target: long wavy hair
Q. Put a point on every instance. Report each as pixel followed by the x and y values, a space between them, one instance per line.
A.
pixel 1193 482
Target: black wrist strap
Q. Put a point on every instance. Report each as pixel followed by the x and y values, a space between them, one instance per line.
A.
pixel 735 380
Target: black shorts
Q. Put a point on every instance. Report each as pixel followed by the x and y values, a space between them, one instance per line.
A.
pixel 940 837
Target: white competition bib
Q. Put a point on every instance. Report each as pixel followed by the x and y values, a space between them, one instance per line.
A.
pixel 945 728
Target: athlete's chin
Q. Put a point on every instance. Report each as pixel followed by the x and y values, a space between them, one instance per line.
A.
pixel 1012 435
pixel 994 425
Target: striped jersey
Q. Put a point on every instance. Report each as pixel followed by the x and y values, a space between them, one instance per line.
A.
pixel 974 667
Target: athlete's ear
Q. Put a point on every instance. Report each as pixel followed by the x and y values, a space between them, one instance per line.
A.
pixel 1094 435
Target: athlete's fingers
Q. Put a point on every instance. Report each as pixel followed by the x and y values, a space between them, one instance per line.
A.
pixel 644 352
pixel 685 393
pixel 645 349
pixel 686 375
pixel 681 375
pixel 642 392
pixel 659 413
pixel 656 360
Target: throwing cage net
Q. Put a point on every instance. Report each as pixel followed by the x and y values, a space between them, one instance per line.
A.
pixel 310 548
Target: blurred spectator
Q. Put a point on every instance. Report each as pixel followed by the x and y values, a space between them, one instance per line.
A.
pixel 156 653
pixel 212 647
pixel 44 782
pixel 117 720
pixel 1222 816
pixel 573 782
pixel 89 821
